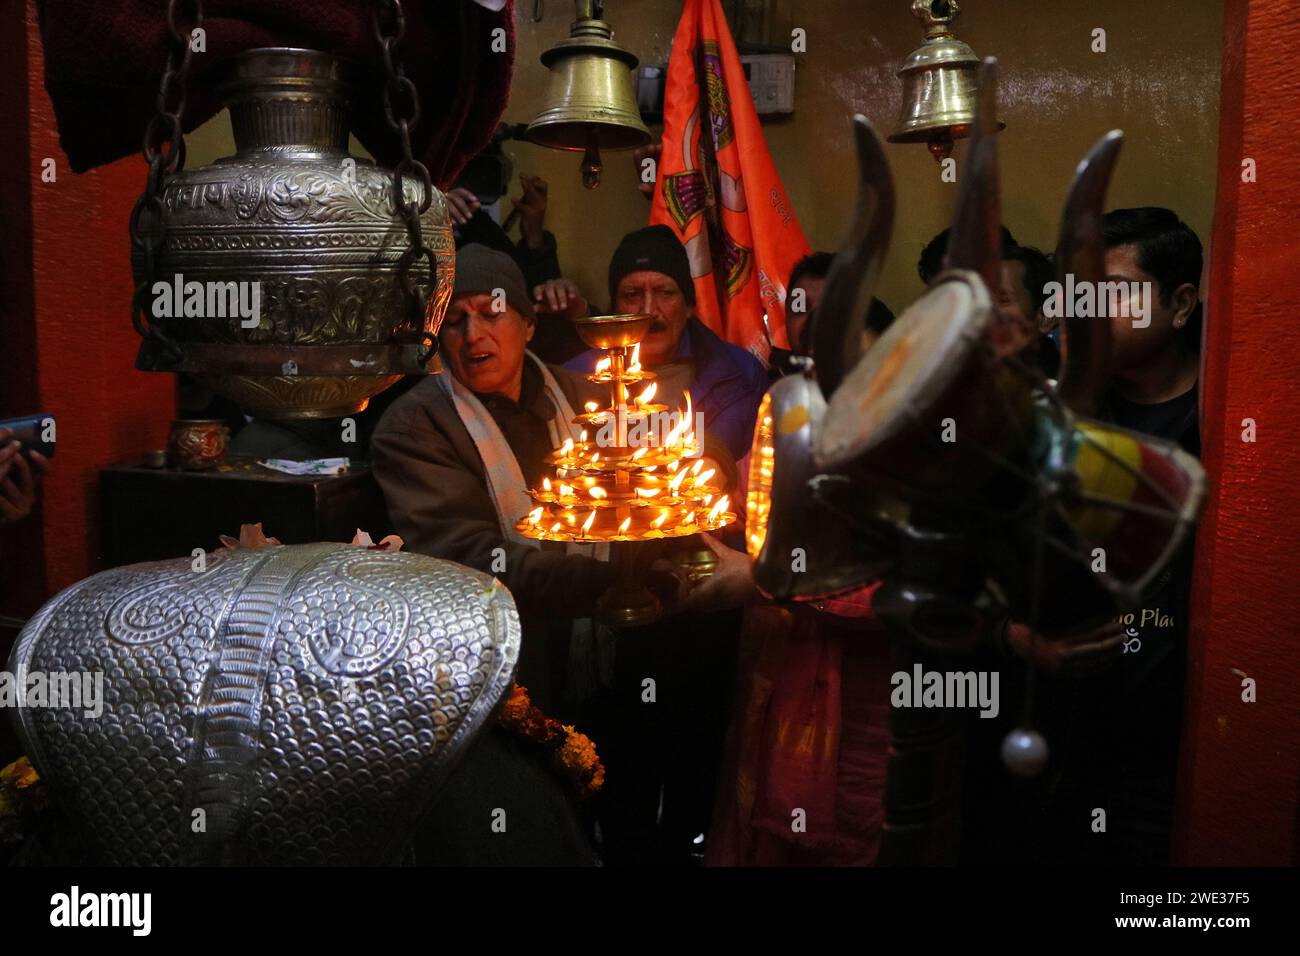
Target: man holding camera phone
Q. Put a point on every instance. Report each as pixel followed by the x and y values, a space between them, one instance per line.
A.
pixel 19 475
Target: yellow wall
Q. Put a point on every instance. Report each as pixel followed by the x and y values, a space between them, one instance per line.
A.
pixel 1158 81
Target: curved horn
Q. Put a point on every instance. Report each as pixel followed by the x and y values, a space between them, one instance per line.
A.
pixel 974 242
pixel 1081 253
pixel 851 283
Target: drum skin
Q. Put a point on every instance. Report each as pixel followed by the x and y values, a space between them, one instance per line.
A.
pixel 285 705
pixel 928 414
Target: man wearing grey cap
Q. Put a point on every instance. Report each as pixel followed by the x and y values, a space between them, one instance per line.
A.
pixel 456 454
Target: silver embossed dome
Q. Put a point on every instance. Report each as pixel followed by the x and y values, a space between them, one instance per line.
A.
pixel 293 704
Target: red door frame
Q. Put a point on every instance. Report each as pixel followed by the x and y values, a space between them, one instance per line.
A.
pixel 1240 777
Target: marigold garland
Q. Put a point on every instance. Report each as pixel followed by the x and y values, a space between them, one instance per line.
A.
pixel 572 753
pixel 20 789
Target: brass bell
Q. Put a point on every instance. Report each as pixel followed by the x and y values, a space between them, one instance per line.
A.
pixel 590 104
pixel 939 85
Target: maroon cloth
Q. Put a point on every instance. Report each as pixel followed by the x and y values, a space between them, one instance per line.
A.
pixel 103 62
pixel 811 732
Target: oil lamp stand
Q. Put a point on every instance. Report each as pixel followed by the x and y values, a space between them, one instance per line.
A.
pixel 628 602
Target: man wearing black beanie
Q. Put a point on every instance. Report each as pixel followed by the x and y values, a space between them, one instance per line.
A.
pixel 650 274
pixel 661 758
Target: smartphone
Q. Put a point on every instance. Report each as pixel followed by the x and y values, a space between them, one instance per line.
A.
pixel 36 432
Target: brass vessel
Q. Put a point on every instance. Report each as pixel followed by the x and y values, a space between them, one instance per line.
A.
pixel 197 444
pixel 313 230
pixel 612 331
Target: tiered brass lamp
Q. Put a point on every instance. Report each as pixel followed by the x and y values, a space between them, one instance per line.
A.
pixel 617 487
pixel 590 104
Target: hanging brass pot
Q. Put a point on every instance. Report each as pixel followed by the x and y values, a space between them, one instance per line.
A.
pixel 297 229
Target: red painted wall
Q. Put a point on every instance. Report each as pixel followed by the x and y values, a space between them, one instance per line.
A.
pixel 1241 761
pixel 68 333
pixel 22 566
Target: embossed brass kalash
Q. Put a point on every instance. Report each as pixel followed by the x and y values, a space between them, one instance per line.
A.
pixel 939 85
pixel 618 487
pixel 350 283
pixel 590 104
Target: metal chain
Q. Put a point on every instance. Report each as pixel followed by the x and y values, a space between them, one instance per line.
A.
pixel 401 105
pixel 164 130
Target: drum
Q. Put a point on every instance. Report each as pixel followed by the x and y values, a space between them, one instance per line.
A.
pixel 809 535
pixel 929 413
pixel 1120 509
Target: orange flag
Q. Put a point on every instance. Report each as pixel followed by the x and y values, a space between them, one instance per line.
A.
pixel 721 192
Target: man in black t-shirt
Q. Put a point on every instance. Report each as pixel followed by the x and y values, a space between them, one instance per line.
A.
pixel 1155 366
pixel 1121 730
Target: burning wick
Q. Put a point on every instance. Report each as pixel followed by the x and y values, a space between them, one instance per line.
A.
pixel 586 525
